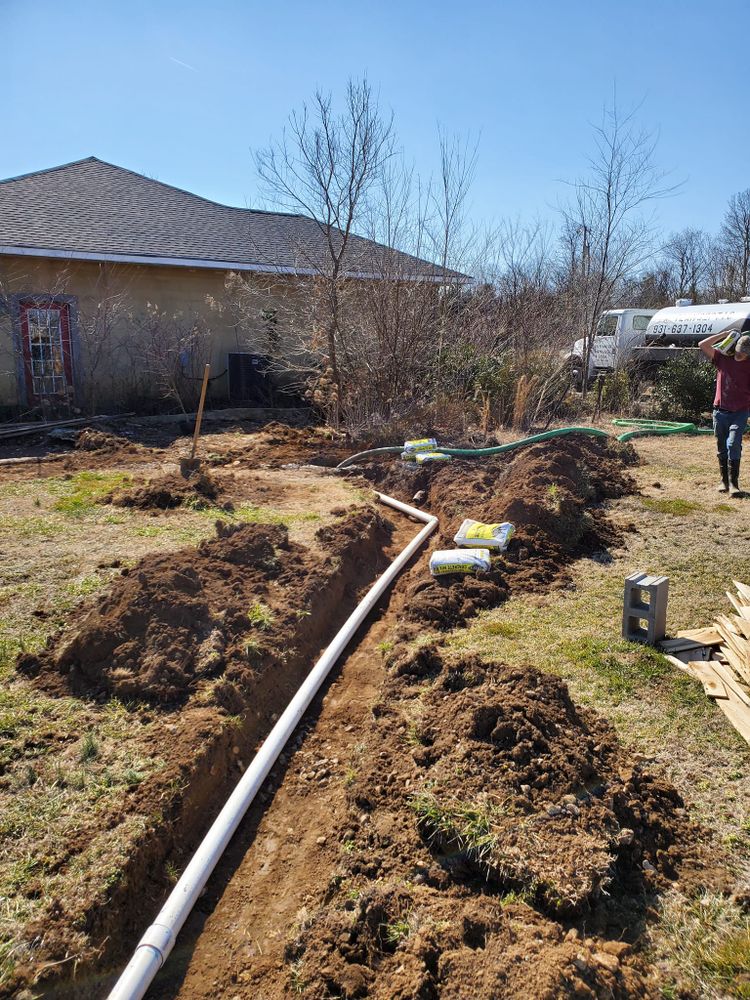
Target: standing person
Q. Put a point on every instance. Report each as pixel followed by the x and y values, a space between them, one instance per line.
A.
pixel 731 406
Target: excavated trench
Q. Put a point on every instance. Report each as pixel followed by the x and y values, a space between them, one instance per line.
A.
pixel 447 827
pixel 206 645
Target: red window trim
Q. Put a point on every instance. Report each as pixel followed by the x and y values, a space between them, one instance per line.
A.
pixel 67 352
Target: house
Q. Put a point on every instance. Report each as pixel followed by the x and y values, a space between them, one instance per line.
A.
pixel 106 275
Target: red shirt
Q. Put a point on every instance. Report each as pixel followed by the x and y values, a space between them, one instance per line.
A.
pixel 732 383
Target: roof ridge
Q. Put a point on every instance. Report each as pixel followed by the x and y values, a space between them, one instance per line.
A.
pixel 49 170
pixel 152 180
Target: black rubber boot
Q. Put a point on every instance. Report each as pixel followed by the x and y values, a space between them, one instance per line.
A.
pixel 734 479
pixel 724 469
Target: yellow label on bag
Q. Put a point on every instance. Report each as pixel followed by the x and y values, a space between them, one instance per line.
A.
pixel 482 530
pixel 420 444
pixel 473 533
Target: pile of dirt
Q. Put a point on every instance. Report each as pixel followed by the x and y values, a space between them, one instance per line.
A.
pixel 277 444
pixel 495 827
pixel 92 439
pixel 200 489
pixel 232 608
pixel 551 492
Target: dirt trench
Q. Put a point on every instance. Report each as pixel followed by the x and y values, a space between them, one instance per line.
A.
pixel 262 607
pixel 449 827
pixel 444 827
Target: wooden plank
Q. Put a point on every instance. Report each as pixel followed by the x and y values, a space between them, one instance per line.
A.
pixel 739 668
pixel 733 660
pixel 712 684
pixel 742 625
pixel 705 636
pixel 738 714
pixel 722 622
pixel 742 589
pixel 734 642
pixel 681 665
pixel 731 682
pixel 734 602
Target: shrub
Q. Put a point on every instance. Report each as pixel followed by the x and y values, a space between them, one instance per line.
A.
pixel 616 391
pixel 685 386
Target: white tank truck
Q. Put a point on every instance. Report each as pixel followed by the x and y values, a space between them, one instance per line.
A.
pixel 648 337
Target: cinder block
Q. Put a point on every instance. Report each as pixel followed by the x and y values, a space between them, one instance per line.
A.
pixel 644 608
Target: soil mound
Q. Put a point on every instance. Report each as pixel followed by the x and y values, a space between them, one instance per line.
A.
pixel 91 439
pixel 496 819
pixel 226 608
pixel 277 444
pixel 551 492
pixel 200 489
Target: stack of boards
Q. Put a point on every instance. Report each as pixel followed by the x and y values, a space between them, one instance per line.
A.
pixel 719 657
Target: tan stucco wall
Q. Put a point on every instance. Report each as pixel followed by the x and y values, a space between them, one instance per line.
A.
pixel 172 290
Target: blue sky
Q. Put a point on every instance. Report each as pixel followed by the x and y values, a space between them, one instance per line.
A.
pixel 183 91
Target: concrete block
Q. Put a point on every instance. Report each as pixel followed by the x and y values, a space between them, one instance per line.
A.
pixel 644 608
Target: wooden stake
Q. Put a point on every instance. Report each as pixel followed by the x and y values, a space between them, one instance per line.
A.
pixel 199 414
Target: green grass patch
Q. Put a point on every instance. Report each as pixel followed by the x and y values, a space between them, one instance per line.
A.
pixel 677 506
pixel 622 667
pixel 468 825
pixel 506 630
pixel 81 494
pixel 260 616
pixel 28 527
pixel 250 513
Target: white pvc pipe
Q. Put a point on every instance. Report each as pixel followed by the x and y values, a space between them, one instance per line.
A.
pixel 159 939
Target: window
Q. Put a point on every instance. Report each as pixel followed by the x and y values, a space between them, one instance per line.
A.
pixel 44 330
pixel 607 326
pixel 44 335
pixel 641 322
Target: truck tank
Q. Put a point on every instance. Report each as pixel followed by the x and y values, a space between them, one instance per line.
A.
pixel 684 326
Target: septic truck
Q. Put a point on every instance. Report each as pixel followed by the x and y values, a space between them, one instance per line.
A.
pixel 648 337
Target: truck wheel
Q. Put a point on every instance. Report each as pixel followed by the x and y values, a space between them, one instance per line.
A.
pixel 576 373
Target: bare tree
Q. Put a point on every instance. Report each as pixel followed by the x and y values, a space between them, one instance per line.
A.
pixel 100 317
pixel 325 165
pixel 605 232
pixel 172 349
pixel 735 245
pixel 686 257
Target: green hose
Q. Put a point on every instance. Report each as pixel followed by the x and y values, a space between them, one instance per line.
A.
pixel 499 449
pixel 642 428
pixel 476 452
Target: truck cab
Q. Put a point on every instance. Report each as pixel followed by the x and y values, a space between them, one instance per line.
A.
pixel 617 333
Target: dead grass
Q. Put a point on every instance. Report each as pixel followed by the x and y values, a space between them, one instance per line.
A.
pixel 705 945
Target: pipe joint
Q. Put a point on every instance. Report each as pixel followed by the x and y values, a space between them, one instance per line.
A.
pixel 161 939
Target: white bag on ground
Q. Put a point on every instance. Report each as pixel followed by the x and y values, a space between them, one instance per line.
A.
pixel 445 561
pixel 431 456
pixel 475 534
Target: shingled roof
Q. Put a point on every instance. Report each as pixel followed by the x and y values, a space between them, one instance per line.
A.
pixel 94 210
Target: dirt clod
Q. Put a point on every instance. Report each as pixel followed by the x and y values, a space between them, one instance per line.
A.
pixel 200 489
pixel 92 439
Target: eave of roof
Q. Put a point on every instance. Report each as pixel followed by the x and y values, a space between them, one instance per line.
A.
pixel 216 265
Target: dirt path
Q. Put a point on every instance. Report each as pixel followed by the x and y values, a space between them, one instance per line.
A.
pixel 278 862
